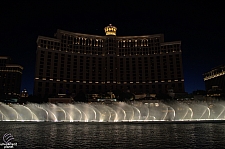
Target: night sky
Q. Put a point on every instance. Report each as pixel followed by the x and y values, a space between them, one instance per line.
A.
pixel 200 27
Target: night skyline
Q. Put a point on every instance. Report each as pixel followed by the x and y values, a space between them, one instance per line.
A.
pixel 200 27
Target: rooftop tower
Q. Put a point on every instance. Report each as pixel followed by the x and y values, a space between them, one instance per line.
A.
pixel 110 30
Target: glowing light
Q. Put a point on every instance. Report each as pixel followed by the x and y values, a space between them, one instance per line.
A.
pixel 110 30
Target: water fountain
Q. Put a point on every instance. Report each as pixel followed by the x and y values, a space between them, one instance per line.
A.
pixel 114 112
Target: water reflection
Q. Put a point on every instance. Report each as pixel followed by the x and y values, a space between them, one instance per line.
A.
pixel 97 135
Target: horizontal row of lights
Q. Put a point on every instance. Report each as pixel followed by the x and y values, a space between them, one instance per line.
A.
pixel 214 76
pixel 80 39
pixel 11 71
pixel 13 94
pixel 121 55
pixel 128 40
pixel 102 46
pixel 109 81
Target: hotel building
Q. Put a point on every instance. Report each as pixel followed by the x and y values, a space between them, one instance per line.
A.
pixel 74 62
pixel 10 78
pixel 215 79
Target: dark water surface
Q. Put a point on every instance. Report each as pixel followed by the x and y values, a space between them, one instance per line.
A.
pixel 119 135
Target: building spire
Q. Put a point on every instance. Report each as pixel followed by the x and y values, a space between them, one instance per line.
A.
pixel 110 30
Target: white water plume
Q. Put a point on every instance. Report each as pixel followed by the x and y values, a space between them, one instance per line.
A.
pixel 114 112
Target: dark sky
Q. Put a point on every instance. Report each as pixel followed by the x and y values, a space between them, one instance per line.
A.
pixel 198 25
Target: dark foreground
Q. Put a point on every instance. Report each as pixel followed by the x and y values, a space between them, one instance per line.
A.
pixel 115 135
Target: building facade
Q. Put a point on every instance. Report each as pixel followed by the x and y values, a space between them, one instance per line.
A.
pixel 74 62
pixel 10 78
pixel 215 78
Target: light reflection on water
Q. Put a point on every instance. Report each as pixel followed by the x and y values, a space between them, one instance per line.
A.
pixel 119 135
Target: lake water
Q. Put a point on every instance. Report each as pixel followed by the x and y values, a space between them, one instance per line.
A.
pixel 113 135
